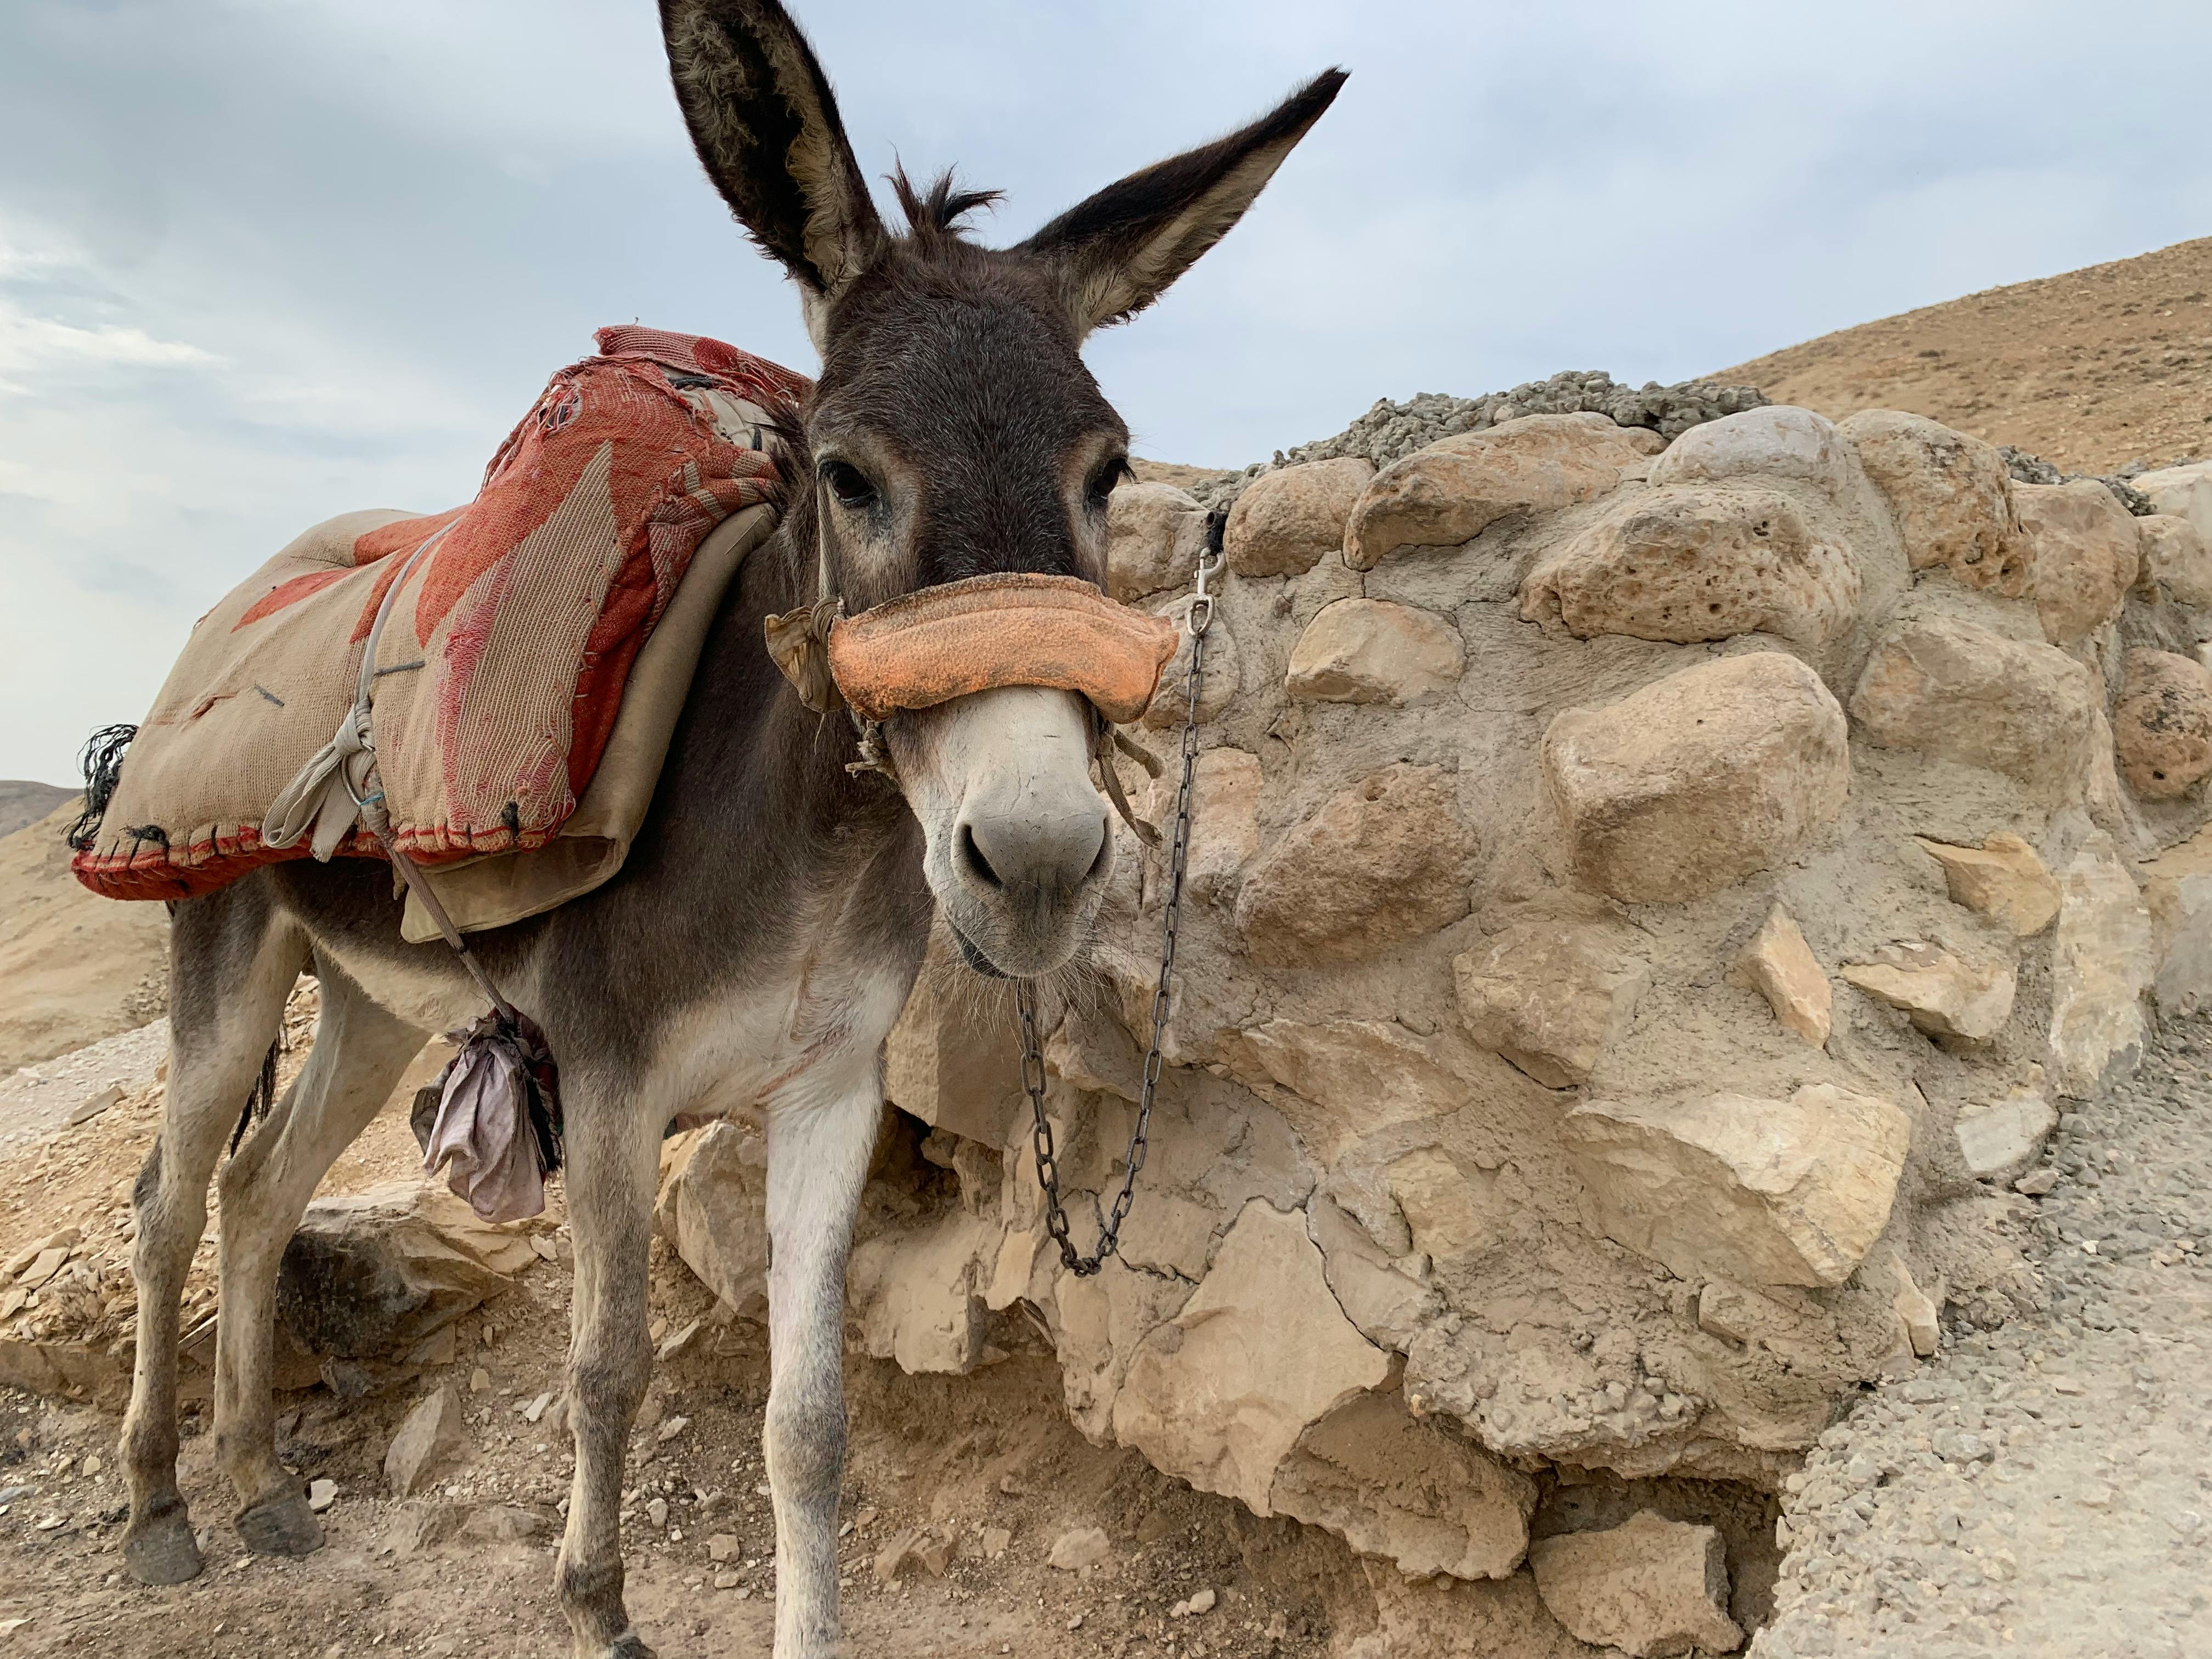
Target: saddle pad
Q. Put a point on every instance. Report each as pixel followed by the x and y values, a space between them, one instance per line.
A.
pixel 502 669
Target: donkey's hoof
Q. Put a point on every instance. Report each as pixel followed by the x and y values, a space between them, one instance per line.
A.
pixel 284 1525
pixel 163 1551
pixel 630 1645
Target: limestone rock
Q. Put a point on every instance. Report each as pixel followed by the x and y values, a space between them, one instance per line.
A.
pixel 1547 994
pixel 1373 651
pixel 2176 556
pixel 426 1435
pixel 2182 908
pixel 1457 487
pixel 2162 724
pixel 1915 1311
pixel 2001 1139
pixel 371 1275
pixel 917 1293
pixel 1649 1587
pixel 713 1208
pixel 1777 441
pixel 948 1062
pixel 1942 995
pixel 2002 879
pixel 1961 693
pixel 1781 967
pixel 1225 670
pixel 1261 1352
pixel 2103 960
pixel 1287 519
pixel 2086 554
pixel 1379 864
pixel 1698 562
pixel 1391 1485
pixel 1949 494
pixel 1446 1618
pixel 1694 782
pixel 1363 1072
pixel 1078 1547
pixel 1726 1308
pixel 1763 1192
pixel 1224 822
pixel 1154 533
pixel 2181 492
pixel 1387 1304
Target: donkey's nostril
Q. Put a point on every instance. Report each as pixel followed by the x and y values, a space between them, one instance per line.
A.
pixel 971 857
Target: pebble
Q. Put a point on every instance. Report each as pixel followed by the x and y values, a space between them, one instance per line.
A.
pixel 321 1494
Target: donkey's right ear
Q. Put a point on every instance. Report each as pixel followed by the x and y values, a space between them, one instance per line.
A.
pixel 765 124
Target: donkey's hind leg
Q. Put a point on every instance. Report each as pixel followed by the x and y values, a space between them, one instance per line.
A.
pixel 232 962
pixel 360 1053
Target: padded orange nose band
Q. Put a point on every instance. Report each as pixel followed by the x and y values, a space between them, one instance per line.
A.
pixel 943 642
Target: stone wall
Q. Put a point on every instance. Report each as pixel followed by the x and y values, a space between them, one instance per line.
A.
pixel 1648 900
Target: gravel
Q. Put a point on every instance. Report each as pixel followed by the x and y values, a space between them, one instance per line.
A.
pixel 2033 469
pixel 2044 1488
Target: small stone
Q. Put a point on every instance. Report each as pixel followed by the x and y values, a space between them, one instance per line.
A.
pixel 94 1106
pixel 669 1430
pixel 1728 1310
pixel 723 1547
pixel 894 1558
pixel 2103 956
pixel 1373 651
pixel 533 1409
pixel 1649 1587
pixel 43 1267
pixel 479 1380
pixel 321 1494
pixel 2176 555
pixel 426 1436
pixel 1949 494
pixel 94 1463
pixel 994 1540
pixel 1941 995
pixel 1078 1547
pixel 935 1555
pixel 2036 1183
pixel 656 1511
pixel 1781 967
pixel 2002 879
pixel 1915 1308
pixel 1960 1446
pixel 1203 1601
pixel 728 1579
pixel 505 1523
pixel 2004 1136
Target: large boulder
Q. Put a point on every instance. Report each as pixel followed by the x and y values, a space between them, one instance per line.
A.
pixel 1380 863
pixel 1961 693
pixel 1650 1586
pixel 1547 994
pixel 1287 519
pixel 2182 492
pixel 1777 441
pixel 2162 724
pixel 1373 651
pixel 1949 494
pixel 1698 563
pixel 2177 557
pixel 1458 487
pixel 1763 1192
pixel 1154 535
pixel 1221 1394
pixel 1698 781
pixel 2085 552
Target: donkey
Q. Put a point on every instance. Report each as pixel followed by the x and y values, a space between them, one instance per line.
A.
pixel 772 915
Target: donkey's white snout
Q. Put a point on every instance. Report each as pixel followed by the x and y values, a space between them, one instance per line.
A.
pixel 1041 836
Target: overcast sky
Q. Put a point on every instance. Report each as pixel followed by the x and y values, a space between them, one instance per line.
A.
pixel 263 261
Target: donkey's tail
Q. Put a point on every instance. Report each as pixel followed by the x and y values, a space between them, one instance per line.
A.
pixel 103 761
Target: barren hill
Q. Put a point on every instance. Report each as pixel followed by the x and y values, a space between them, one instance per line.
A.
pixel 74 967
pixel 2091 369
pixel 23 802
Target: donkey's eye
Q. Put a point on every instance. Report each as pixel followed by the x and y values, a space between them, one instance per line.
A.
pixel 849 484
pixel 1104 480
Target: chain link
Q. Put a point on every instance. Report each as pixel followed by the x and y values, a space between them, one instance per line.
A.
pixel 1178 855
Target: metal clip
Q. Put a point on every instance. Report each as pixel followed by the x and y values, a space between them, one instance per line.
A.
pixel 1210 560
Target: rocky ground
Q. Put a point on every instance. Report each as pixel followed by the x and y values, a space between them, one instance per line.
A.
pixel 2091 369
pixel 2045 1488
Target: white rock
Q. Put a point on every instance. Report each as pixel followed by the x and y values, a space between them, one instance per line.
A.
pixel 321 1494
pixel 1949 494
pixel 1079 1547
pixel 1225 820
pixel 2102 962
pixel 2177 557
pixel 1548 995
pixel 2184 492
pixel 713 1208
pixel 1373 651
pixel 2001 1139
pixel 425 1437
pixel 2086 553
pixel 1763 1192
pixel 1649 1587
pixel 1777 441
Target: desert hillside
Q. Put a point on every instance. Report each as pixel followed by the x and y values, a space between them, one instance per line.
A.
pixel 74 967
pixel 2091 369
pixel 23 802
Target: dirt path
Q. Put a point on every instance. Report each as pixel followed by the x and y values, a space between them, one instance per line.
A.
pixel 2045 1489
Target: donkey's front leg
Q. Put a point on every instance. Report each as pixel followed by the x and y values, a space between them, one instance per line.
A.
pixel 819 1143
pixel 613 1153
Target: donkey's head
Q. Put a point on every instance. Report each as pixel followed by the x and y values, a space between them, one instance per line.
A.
pixel 954 431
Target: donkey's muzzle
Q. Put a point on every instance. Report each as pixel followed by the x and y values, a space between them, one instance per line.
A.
pixel 980 634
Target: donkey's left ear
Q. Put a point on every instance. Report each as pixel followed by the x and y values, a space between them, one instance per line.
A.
pixel 1119 251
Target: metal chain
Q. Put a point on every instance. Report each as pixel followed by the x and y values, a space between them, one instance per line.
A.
pixel 1178 853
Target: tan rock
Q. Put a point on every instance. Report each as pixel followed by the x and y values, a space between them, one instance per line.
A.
pixel 1449 1211
pixel 1777 441
pixel 1778 963
pixel 1915 1309
pixel 1362 1072
pixel 1960 693
pixel 1380 863
pixel 1546 995
pixel 1388 1305
pixel 2104 957
pixel 2177 557
pixel 1225 670
pixel 1373 651
pixel 713 1208
pixel 2182 492
pixel 1457 487
pixel 1391 1485
pixel 2086 554
pixel 1694 782
pixel 1648 1587
pixel 1698 562
pixel 1078 1547
pixel 1447 1618
pixel 1155 532
pixel 427 1435
pixel 2002 879
pixel 1763 1192
pixel 1949 496
pixel 1727 1309
pixel 917 1293
pixel 1286 520
pixel 2000 1138
pixel 1942 995
pixel 1225 820
pixel 2162 724
pixel 949 1061
pixel 1261 1352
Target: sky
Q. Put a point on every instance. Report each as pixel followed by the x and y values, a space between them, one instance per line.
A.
pixel 266 261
